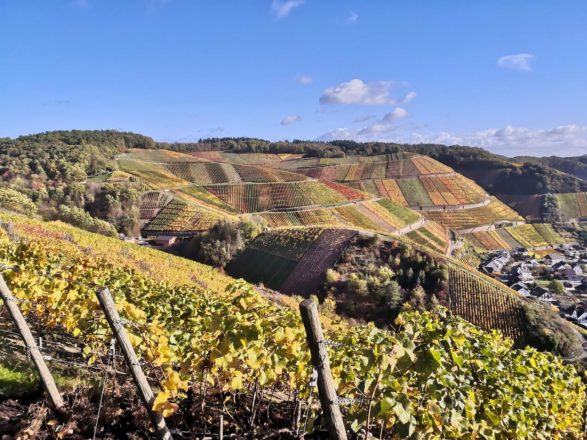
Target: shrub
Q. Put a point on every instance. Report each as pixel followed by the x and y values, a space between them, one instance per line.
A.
pixel 13 200
pixel 548 331
pixel 80 218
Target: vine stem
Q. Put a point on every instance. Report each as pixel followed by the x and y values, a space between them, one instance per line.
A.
pixel 371 403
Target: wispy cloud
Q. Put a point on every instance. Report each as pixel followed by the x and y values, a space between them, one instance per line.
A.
pixel 352 18
pixel 408 98
pixel 385 124
pixel 520 61
pixel 374 131
pixel 339 134
pixel 282 8
pixel 304 79
pixel 570 139
pixel 356 91
pixel 364 118
pixel 290 119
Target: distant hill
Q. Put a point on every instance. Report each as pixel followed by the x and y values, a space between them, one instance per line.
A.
pixel 79 169
pixel 576 166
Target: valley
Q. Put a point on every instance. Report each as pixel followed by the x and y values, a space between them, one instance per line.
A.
pixel 371 239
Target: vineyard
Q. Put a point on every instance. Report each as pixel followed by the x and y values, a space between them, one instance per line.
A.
pixel 153 174
pixel 181 218
pixel 447 190
pixel 527 236
pixel 264 159
pixel 380 216
pixel 207 173
pixel 487 304
pixel 292 261
pixel 353 169
pixel 249 350
pixel 152 202
pixel 431 236
pixel 572 205
pixel 494 212
pixel 256 197
pixel 198 195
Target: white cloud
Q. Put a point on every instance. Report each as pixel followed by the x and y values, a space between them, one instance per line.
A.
pixel 290 119
pixel 408 97
pixel 385 125
pixel 282 8
pixel 371 132
pixel 568 139
pixel 304 79
pixel 520 61
pixel 352 18
pixel 356 91
pixel 339 134
pixel 564 140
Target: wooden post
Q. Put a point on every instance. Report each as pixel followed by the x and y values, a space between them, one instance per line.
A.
pixel 31 345
pixel 326 389
pixel 130 356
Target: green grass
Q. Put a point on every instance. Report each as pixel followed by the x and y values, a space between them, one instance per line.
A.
pixel 414 192
pixel 18 378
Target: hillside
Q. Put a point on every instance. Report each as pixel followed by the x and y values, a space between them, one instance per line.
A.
pixel 62 266
pixel 348 229
pixel 105 172
pixel 534 236
pixel 575 166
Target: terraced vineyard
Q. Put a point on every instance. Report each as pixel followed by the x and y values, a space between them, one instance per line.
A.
pixel 444 190
pixel 180 218
pixel 379 216
pixel 198 195
pixel 431 236
pixel 251 197
pixel 152 202
pixel 494 212
pixel 206 173
pixel 190 323
pixel 292 261
pixel 526 236
pixel 572 205
pixel 274 160
pixel 486 303
pixel 153 174
pixel 351 169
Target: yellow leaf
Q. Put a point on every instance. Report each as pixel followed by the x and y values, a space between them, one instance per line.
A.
pixel 237 381
pixel 161 398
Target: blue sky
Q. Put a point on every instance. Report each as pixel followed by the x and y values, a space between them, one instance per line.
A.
pixel 510 76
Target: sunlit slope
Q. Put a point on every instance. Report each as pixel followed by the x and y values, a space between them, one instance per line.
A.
pixel 75 243
pixel 530 236
pixel 426 191
pixel 572 205
pixel 188 328
pixel 494 213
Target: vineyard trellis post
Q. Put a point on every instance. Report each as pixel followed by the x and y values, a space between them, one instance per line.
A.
pixel 145 391
pixel 326 388
pixel 31 345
